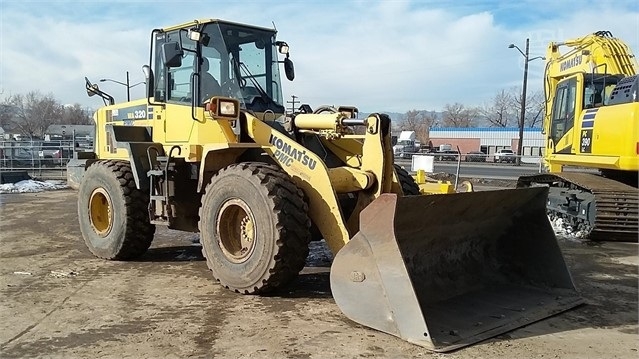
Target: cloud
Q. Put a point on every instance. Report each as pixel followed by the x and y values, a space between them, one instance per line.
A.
pixel 51 55
pixel 379 56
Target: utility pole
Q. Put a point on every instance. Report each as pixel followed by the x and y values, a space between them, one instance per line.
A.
pixel 128 87
pixel 523 96
pixel 127 84
pixel 293 102
pixel 523 108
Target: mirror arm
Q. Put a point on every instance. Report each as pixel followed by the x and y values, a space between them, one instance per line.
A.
pixel 95 90
pixel 151 86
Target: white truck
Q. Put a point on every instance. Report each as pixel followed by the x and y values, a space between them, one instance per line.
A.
pixel 406 144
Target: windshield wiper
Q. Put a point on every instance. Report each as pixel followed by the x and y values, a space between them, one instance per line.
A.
pixel 257 85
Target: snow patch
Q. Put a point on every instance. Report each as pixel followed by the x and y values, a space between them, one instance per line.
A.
pixel 630 260
pixel 319 255
pixel 31 186
pixel 565 230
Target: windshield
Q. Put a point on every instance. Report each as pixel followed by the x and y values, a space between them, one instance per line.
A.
pixel 405 142
pixel 598 89
pixel 244 61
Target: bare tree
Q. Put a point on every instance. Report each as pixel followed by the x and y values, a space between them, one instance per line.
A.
pixel 75 115
pixel 411 120
pixel 34 112
pixel 457 115
pixel 6 114
pixel 419 121
pixel 500 111
pixel 535 107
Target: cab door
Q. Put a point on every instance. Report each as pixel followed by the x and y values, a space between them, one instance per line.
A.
pixel 178 122
pixel 563 117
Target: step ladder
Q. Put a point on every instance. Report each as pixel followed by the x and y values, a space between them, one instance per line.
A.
pixel 162 172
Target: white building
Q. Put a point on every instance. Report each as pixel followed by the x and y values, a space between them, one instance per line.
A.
pixel 490 139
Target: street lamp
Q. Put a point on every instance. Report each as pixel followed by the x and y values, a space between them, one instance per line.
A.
pixel 523 96
pixel 128 87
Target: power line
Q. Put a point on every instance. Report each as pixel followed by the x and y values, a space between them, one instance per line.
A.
pixel 293 102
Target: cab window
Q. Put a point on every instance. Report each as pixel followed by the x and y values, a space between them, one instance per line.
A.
pixel 179 78
pixel 563 112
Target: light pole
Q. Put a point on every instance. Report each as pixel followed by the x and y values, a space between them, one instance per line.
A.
pixel 523 97
pixel 128 86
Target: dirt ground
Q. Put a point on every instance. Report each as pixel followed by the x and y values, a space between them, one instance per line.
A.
pixel 57 300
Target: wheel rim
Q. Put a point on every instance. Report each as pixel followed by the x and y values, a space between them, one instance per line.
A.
pixel 236 230
pixel 100 212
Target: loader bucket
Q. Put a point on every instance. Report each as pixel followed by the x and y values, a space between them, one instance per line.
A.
pixel 446 271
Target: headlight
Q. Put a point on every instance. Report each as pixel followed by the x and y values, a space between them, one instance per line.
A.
pixel 223 107
pixel 227 108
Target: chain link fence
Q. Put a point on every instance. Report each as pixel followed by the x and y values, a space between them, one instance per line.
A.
pixel 40 158
pixel 453 156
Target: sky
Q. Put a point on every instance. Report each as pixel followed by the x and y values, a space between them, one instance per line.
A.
pixel 389 55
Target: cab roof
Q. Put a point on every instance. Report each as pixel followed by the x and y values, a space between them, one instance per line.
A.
pixel 212 21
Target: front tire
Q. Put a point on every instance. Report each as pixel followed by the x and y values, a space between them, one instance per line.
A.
pixel 254 228
pixel 406 181
pixel 113 213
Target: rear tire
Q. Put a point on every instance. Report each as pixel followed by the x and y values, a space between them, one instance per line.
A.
pixel 113 213
pixel 406 181
pixel 254 228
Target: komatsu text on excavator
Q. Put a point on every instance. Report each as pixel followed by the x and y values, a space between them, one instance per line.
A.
pixel 592 123
pixel 210 150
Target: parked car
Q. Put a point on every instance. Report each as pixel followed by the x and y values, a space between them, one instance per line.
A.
pixel 54 153
pixel 448 155
pixel 19 157
pixel 504 155
pixel 475 156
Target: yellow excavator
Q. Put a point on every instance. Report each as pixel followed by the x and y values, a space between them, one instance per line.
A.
pixel 210 149
pixel 591 125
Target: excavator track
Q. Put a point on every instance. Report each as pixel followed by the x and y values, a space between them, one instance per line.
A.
pixel 605 209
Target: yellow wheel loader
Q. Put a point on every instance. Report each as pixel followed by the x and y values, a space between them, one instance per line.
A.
pixel 221 158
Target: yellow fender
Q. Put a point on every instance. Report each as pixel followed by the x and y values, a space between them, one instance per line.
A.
pixel 429 186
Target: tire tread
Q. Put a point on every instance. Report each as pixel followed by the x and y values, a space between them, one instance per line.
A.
pixel 139 231
pixel 408 184
pixel 286 201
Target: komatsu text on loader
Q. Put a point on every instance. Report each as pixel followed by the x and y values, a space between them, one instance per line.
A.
pixel 592 123
pixel 210 150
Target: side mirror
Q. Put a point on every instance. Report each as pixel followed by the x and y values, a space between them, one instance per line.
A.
pixel 150 83
pixel 289 69
pixel 172 53
pixel 92 89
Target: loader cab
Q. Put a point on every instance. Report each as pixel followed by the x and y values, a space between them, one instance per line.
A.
pixel 219 59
